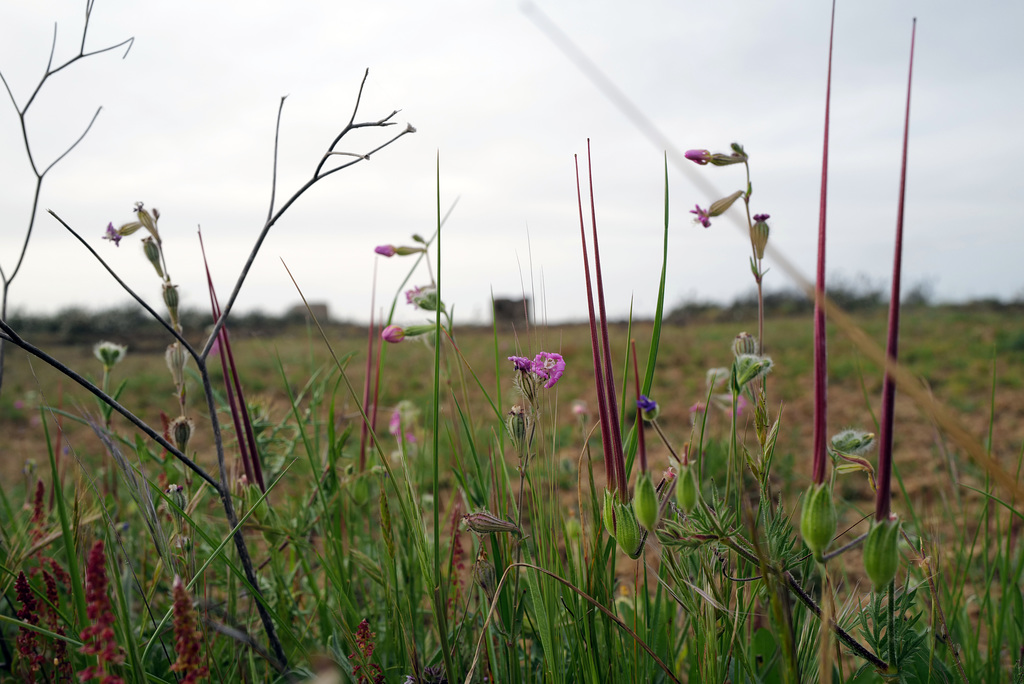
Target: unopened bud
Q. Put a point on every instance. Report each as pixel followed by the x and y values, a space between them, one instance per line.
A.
pixel 485 576
pixel 759 234
pixel 750 367
pixel 645 503
pixel 176 493
pixel 882 553
pixel 853 442
pixel 393 334
pixel 486 523
pixel 360 491
pixel 744 343
pixel 719 207
pixel 629 537
pixel 687 491
pixel 818 520
pixel 518 424
pixel 152 252
pixel 406 251
pixel 181 431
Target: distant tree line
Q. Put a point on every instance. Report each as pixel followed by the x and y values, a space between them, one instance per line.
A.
pixel 77 325
pixel 858 295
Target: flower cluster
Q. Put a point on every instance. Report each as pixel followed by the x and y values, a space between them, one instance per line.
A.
pixel 99 635
pixel 27 639
pixel 186 636
pixel 366 671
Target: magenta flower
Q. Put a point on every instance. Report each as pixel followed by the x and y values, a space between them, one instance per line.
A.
pixel 702 216
pixel 701 157
pixel 385 250
pixel 761 217
pixel 112 235
pixel 521 363
pixel 392 334
pixel 411 295
pixel 548 366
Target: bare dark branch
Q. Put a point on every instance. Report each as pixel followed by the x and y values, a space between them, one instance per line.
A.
pixel 74 144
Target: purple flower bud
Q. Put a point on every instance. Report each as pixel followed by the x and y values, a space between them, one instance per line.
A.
pixel 648 407
pixel 761 217
pixel 702 216
pixel 385 250
pixel 393 334
pixel 521 363
pixel 701 157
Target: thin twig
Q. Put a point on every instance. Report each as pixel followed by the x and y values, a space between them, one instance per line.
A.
pixel 152 312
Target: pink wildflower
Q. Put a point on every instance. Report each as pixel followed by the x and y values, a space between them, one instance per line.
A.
pixel 548 366
pixel 385 250
pixel 703 217
pixel 112 235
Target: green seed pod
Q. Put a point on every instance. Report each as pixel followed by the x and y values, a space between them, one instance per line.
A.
pixel 719 207
pixel 629 536
pixel 645 503
pixel 687 491
pixel 171 300
pixel 759 237
pixel 818 520
pixel 744 343
pixel 882 553
pixel 484 522
pixel 608 512
pixel 152 252
pixel 181 430
pixel 360 491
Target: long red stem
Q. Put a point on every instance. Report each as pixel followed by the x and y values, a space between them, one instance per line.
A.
pixel 602 399
pixel 820 353
pixel 618 459
pixel 884 494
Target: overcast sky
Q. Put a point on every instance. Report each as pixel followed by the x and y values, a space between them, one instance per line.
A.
pixel 188 121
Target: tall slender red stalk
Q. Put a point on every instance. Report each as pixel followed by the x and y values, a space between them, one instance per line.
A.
pixel 233 388
pixel 611 472
pixel 820 354
pixel 883 496
pixel 606 352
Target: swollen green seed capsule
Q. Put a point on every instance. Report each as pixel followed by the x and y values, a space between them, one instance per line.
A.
pixel 645 503
pixel 818 520
pixel 628 534
pixel 687 491
pixel 608 513
pixel 152 251
pixel 882 553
